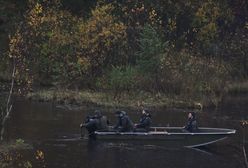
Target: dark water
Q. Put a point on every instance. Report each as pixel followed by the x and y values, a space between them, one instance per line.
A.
pixel 54 132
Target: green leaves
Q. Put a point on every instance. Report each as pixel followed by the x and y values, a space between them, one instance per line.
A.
pixel 152 50
pixel 122 78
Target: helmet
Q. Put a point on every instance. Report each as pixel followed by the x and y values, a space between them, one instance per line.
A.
pixel 120 113
pixel 97 113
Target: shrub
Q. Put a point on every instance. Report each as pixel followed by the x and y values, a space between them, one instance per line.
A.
pixel 122 79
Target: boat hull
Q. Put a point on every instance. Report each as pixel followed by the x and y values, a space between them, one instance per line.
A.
pixel 168 136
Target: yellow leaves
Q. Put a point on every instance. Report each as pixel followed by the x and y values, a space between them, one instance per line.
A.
pixel 208 12
pixel 38 8
pixel 200 12
pixel 153 13
pixel 208 32
pixel 246 25
pixel 34 16
pixel 100 33
pixel 83 63
pixel 14 43
pixel 172 24
pixel 100 11
pixel 154 18
pixel 39 155
pixel 206 19
pixel 7 158
pixel 13 158
pixel 244 123
pixel 27 164
pixel 53 41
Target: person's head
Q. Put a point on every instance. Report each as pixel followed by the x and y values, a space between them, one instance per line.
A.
pixel 97 114
pixel 191 115
pixel 120 113
pixel 145 112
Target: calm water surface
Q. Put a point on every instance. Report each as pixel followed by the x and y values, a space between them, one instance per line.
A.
pixel 53 130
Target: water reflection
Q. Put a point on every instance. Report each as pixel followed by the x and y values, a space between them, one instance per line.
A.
pixel 98 154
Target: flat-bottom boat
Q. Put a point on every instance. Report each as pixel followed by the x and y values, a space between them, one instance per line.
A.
pixel 169 136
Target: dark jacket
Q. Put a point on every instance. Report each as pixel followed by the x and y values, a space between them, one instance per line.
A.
pixel 91 125
pixel 145 122
pixel 124 124
pixel 191 125
pixel 102 123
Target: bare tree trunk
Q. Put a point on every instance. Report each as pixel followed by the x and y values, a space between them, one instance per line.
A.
pixel 6 113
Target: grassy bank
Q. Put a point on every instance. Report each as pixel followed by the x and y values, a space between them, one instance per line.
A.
pixel 127 99
pixel 238 88
pixel 19 144
pixel 10 155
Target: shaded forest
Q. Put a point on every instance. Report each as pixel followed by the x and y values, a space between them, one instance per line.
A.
pixel 193 48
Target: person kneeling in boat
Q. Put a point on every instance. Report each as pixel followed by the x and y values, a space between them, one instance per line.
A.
pixel 124 123
pixel 191 125
pixel 144 123
pixel 94 123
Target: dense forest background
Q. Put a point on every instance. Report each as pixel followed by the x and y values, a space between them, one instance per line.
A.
pixel 189 47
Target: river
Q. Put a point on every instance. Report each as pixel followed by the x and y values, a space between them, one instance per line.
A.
pixel 53 130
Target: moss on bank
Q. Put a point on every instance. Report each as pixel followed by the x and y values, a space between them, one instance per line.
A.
pixel 127 99
pixel 19 144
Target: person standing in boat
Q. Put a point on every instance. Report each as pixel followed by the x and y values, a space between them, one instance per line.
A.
pixel 145 122
pixel 191 125
pixel 124 123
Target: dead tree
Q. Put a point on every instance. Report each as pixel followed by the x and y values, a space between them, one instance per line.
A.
pixel 6 112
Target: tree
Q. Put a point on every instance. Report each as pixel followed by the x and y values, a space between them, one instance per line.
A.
pixel 54 46
pixel 122 79
pixel 46 45
pixel 103 39
pixel 152 52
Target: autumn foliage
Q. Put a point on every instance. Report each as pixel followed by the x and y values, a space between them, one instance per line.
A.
pixel 177 47
pixel 54 45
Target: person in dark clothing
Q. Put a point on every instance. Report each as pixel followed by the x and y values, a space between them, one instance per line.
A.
pixel 90 124
pixel 94 123
pixel 124 123
pixel 145 122
pixel 191 125
pixel 101 121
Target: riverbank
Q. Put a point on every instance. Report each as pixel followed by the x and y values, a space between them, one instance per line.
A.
pixel 132 99
pixel 108 99
pixel 10 155
pixel 238 88
pixel 19 144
